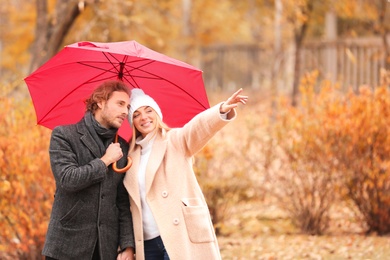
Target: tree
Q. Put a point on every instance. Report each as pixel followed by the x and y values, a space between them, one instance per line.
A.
pixel 51 29
pixel 384 29
pixel 26 183
pixel 299 15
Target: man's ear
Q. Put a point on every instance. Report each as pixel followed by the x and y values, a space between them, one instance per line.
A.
pixel 101 104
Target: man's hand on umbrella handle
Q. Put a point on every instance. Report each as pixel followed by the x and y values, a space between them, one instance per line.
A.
pixel 232 101
pixel 113 154
pixel 129 162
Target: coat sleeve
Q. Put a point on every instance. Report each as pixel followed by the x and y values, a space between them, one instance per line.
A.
pixel 193 136
pixel 68 172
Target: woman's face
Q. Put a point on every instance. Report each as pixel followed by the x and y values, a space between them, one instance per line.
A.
pixel 144 120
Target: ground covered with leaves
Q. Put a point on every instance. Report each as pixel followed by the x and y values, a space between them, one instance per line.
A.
pixel 305 247
pixel 259 231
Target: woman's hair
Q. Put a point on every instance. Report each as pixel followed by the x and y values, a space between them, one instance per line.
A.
pixel 104 92
pixel 160 127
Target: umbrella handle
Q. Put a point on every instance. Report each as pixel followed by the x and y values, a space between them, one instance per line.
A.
pixel 129 162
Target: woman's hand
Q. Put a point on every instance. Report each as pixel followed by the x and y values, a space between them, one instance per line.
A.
pixel 233 101
pixel 127 254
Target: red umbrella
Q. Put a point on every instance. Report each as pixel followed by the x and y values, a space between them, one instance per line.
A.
pixel 59 87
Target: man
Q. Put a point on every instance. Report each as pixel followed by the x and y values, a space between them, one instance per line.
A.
pixel 91 216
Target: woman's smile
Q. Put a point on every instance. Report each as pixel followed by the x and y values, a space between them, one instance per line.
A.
pixel 144 119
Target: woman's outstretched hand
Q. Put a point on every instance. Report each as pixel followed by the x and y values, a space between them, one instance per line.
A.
pixel 232 102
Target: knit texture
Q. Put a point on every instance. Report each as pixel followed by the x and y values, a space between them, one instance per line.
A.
pixel 140 99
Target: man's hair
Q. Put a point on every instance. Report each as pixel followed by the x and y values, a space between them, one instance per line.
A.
pixel 104 92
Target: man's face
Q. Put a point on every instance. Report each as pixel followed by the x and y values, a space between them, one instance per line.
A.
pixel 113 112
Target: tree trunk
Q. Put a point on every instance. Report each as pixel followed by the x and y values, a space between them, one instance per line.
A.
pixel 299 35
pixel 384 31
pixel 278 54
pixel 51 31
pixel 297 71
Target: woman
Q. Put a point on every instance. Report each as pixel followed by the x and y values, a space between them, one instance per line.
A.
pixel 170 215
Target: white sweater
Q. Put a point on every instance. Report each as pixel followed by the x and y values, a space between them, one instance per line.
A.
pixel 149 224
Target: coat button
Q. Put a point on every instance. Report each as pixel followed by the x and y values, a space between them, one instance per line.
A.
pixel 164 194
pixel 176 221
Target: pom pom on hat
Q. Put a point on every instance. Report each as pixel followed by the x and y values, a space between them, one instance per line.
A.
pixel 139 99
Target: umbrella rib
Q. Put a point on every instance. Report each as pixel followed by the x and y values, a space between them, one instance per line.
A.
pixel 120 73
pixel 151 71
pixel 158 77
pixel 97 67
pixel 121 64
pixel 73 90
pixel 128 73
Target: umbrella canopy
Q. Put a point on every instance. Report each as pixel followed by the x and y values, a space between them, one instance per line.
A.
pixel 59 87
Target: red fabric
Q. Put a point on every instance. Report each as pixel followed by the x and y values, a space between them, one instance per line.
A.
pixel 59 87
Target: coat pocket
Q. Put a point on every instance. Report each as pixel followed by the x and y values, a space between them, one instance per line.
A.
pixel 198 222
pixel 73 215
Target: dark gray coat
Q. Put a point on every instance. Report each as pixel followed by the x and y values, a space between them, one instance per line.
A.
pixel 90 201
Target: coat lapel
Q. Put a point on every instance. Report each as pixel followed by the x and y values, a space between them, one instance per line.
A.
pixel 155 160
pixel 87 139
pixel 131 178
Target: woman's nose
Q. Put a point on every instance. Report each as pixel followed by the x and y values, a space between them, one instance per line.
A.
pixel 143 115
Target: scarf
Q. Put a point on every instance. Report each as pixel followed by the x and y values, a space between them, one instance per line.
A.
pixel 102 135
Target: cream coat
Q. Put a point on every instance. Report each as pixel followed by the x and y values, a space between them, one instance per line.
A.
pixel 173 193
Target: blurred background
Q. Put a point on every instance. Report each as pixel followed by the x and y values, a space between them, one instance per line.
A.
pixel 303 173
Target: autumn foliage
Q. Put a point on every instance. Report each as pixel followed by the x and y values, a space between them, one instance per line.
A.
pixel 363 155
pixel 333 147
pixel 26 182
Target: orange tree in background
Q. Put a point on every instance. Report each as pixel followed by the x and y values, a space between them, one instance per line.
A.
pixel 364 155
pixel 333 147
pixel 302 148
pixel 26 182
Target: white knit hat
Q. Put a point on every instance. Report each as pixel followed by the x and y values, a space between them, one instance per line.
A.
pixel 139 99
